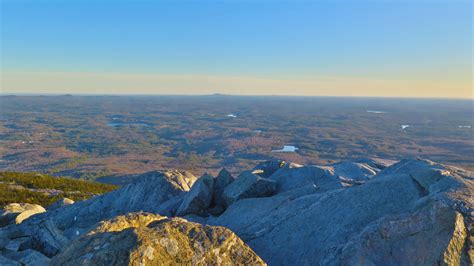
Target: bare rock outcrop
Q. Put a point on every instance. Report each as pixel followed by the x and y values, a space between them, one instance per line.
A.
pixel 223 179
pixel 248 185
pixel 268 168
pixel 157 192
pixel 327 177
pixel 18 212
pixel 198 199
pixel 413 207
pixel 147 239
pixel 366 212
pixel 8 262
pixel 60 203
pixel 437 231
pixel 32 257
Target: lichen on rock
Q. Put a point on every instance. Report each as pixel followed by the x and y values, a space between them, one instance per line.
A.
pixel 148 239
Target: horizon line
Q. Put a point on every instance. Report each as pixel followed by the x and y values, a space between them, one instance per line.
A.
pixel 53 94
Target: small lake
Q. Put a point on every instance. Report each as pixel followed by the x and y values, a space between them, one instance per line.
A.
pixel 287 148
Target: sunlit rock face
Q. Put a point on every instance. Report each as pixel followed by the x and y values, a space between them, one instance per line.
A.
pixel 149 239
pixel 18 212
pixel 362 212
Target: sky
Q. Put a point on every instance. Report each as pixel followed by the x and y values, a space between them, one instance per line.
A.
pixel 377 48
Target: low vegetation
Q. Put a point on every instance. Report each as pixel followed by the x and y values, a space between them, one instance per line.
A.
pixel 44 189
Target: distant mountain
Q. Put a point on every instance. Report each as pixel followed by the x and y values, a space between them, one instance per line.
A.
pixel 364 212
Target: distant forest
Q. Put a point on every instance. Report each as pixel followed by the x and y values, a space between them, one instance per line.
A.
pixel 108 138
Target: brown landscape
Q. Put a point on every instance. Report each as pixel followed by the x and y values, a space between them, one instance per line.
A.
pixel 110 138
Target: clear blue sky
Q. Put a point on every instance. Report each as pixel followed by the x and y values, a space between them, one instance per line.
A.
pixel 296 40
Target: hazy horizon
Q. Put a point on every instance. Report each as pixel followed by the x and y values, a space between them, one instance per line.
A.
pixel 218 94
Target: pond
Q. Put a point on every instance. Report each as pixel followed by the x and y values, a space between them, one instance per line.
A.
pixel 287 148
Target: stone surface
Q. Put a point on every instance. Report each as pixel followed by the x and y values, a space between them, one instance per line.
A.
pixel 393 239
pixel 4 240
pixel 291 178
pixel 366 212
pixel 18 244
pixel 164 241
pixel 26 214
pixel 47 237
pixel 223 179
pixel 198 199
pixel 248 185
pixel 268 168
pixel 354 170
pixel 157 192
pixel 60 203
pixel 328 177
pixel 405 209
pixel 32 258
pixel 18 212
pixel 130 220
pixel 8 262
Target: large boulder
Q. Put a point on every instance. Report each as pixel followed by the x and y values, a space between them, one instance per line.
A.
pixel 358 171
pixel 18 212
pixel 327 177
pixel 60 203
pixel 410 213
pixel 198 199
pixel 223 179
pixel 32 257
pixel 248 185
pixel 18 244
pixel 129 220
pixel 156 240
pixel 47 237
pixel 375 163
pixel 435 233
pixel 268 168
pixel 8 262
pixel 291 178
pixel 148 193
pixel 157 192
pixel 4 240
pixel 424 173
pixel 243 214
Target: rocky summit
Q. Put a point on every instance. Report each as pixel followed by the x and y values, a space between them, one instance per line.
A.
pixel 363 212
